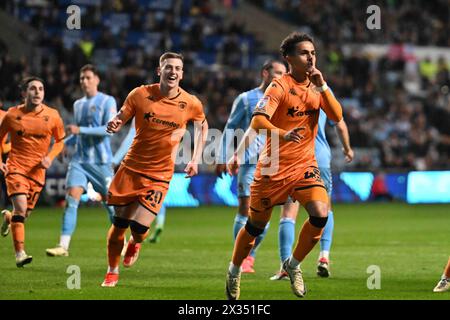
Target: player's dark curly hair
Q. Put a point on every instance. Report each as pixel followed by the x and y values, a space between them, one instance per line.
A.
pixel 287 47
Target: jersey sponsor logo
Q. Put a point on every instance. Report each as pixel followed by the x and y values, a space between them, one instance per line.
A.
pixel 261 105
pixel 294 112
pixel 22 133
pixel 313 174
pixel 150 116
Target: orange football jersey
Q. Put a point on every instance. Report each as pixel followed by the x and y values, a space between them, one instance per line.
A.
pixel 31 134
pixel 5 146
pixel 290 104
pixel 160 125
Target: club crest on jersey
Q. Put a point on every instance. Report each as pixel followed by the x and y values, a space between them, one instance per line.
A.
pixel 46 118
pixel 182 105
pixel 92 108
pixel 265 202
pixel 261 105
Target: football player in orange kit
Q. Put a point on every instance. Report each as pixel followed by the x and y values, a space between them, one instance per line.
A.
pixel 6 214
pixel 161 112
pixel 31 127
pixel 288 112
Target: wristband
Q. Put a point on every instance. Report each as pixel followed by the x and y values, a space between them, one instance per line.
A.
pixel 323 88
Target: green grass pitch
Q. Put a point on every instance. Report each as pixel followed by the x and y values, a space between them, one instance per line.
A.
pixel 410 245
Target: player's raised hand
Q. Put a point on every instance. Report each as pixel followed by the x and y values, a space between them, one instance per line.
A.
pixel 233 165
pixel 114 125
pixel 191 169
pixel 315 76
pixel 348 155
pixel 294 135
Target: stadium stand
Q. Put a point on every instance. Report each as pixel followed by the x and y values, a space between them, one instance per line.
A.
pixel 397 102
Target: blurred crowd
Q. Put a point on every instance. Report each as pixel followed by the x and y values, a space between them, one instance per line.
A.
pixel 424 23
pixel 397 106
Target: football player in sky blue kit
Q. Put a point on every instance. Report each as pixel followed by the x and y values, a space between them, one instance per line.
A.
pixel 118 156
pixel 240 118
pixel 92 161
pixel 286 232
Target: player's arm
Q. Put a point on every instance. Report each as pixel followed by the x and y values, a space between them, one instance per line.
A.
pixel 200 135
pixel 3 133
pixel 88 131
pixel 127 112
pixel 233 122
pixel 58 146
pixel 125 145
pixel 99 131
pixel 261 124
pixel 329 103
pixel 264 110
pixel 344 138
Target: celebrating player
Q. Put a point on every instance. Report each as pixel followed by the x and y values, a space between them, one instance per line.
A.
pixel 288 111
pixel 31 126
pixel 161 112
pixel 240 117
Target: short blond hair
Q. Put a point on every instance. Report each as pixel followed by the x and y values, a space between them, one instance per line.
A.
pixel 170 55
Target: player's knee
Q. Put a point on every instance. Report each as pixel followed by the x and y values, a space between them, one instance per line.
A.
pixel 253 230
pixel 18 218
pixel 138 228
pixel 71 202
pixel 318 222
pixel 75 193
pixel 121 223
